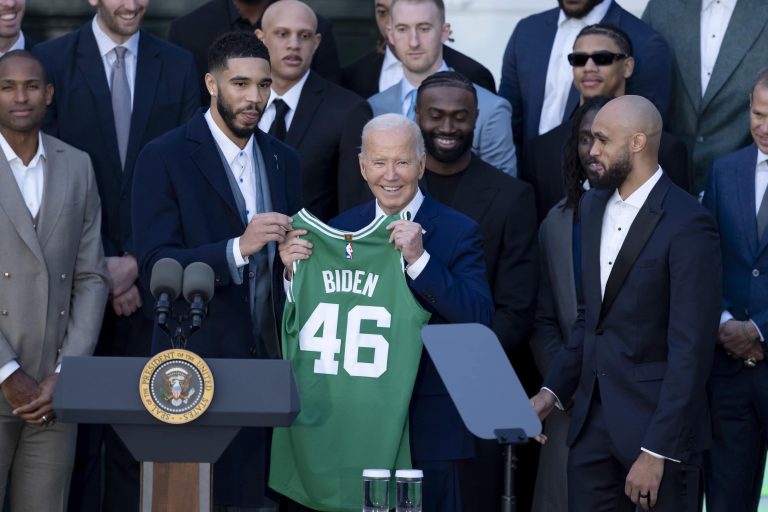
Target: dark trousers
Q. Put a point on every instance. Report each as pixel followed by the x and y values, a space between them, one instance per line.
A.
pixel 733 465
pixel 597 473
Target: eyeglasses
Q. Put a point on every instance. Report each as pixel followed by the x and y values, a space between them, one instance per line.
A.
pixel 601 58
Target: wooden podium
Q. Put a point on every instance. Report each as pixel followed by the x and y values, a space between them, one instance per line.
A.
pixel 176 459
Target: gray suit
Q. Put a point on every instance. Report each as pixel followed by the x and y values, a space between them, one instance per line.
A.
pixel 492 141
pixel 717 123
pixel 555 314
pixel 53 288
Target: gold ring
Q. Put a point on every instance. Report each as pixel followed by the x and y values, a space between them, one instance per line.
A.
pixel 750 362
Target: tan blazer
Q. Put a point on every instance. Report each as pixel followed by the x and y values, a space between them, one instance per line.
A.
pixel 53 281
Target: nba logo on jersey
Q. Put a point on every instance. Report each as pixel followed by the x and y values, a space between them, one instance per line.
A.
pixel 348 251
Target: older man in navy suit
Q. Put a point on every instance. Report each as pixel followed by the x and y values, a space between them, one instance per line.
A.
pixel 446 272
pixel 736 197
pixel 218 190
pixel 640 351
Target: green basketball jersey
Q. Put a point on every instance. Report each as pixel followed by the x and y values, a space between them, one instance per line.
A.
pixel 351 329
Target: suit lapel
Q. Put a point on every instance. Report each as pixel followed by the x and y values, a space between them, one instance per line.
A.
pixel 744 178
pixel 591 230
pixel 747 22
pixel 639 233
pixel 12 203
pixel 539 54
pixel 560 242
pixel 309 101
pixel 690 43
pixel 56 183
pixel 426 216
pixel 90 64
pixel 148 67
pixel 208 161
pixel 275 175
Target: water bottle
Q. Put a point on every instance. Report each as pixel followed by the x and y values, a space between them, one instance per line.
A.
pixel 408 483
pixel 376 490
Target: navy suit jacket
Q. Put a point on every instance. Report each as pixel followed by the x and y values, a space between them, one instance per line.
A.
pixel 649 341
pixel 730 197
pixel 524 68
pixel 165 96
pixel 454 288
pixel 184 209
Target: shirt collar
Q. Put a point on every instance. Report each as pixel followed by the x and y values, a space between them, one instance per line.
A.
pixel 106 44
pixel 291 96
pixel 639 196
pixel 227 147
pixel 389 59
pixel 406 87
pixel 11 155
pixel 761 157
pixel 708 4
pixel 18 45
pixel 412 207
pixel 595 15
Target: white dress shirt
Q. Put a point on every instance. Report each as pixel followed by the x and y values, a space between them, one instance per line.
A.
pixel 241 165
pixel 106 50
pixel 391 70
pixel 715 16
pixel 617 219
pixel 761 181
pixel 18 45
pixel 30 179
pixel 559 72
pixel 291 98
pixel 406 87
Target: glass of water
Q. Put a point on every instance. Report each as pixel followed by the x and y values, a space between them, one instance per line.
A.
pixel 408 483
pixel 376 490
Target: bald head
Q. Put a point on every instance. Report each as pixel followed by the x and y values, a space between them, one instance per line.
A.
pixel 284 10
pixel 629 116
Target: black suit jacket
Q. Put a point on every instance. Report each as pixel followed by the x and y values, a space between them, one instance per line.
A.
pixel 504 209
pixel 165 96
pixel 542 165
pixel 650 340
pixel 198 29
pixel 326 130
pixel 362 76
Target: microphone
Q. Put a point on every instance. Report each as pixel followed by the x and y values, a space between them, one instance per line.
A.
pixel 165 286
pixel 198 290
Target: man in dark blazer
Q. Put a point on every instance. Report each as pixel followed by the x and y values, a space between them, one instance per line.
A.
pixel 524 68
pixel 323 121
pixel 198 29
pixel 218 190
pixel 364 76
pixel 711 119
pixel 736 197
pixel 445 268
pixel 155 90
pixel 640 352
pixel 542 164
pixel 503 207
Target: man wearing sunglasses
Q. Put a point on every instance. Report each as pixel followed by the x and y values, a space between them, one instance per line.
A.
pixel 602 64
pixel 535 75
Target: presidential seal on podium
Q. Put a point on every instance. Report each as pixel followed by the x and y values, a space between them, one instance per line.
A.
pixel 176 386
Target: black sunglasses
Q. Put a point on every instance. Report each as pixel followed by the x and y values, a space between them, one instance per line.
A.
pixel 601 58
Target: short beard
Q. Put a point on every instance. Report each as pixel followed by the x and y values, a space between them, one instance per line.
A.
pixel 448 157
pixel 614 176
pixel 582 12
pixel 228 115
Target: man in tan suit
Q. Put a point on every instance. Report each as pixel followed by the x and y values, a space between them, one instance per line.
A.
pixel 53 285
